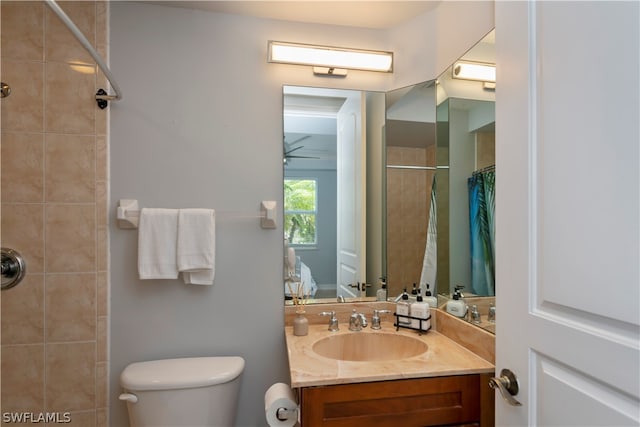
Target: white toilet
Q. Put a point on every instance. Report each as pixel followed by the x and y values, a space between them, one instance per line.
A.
pixel 186 392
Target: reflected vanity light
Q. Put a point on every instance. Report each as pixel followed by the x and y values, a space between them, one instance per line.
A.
pixel 474 71
pixel 330 60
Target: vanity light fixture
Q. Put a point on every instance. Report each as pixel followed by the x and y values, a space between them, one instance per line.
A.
pixel 474 71
pixel 332 61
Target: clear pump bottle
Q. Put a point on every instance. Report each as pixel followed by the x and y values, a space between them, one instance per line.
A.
pixel 381 294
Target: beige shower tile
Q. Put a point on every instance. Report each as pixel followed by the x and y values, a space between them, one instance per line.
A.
pixel 71 377
pixel 23 230
pixel 22 167
pixel 22 30
pixel 101 344
pixel 77 419
pixel 102 157
pixel 101 384
pixel 102 23
pixel 101 204
pixel 22 378
pixel 102 417
pixel 102 249
pixel 70 307
pixel 23 110
pixel 23 311
pixel 70 236
pixel 70 168
pixel 60 44
pixel 394 156
pixel 102 297
pixel 69 99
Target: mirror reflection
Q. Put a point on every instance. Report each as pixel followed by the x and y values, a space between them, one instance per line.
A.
pixel 333 187
pixel 393 188
pixel 466 176
pixel 410 192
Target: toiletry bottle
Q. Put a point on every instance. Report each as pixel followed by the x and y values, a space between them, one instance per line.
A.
pixel 403 308
pixel 429 299
pixel 457 306
pixel 381 294
pixel 414 294
pixel 421 310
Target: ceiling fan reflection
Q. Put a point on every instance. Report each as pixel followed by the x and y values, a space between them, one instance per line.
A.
pixel 288 149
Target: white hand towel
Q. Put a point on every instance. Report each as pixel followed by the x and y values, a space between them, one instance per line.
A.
pixel 196 245
pixel 157 237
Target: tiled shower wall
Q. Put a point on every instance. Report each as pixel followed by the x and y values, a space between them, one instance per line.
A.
pixel 54 211
pixel 408 205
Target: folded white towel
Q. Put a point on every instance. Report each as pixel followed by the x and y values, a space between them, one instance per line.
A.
pixel 196 245
pixel 157 234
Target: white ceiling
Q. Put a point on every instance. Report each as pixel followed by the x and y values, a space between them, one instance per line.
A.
pixel 359 13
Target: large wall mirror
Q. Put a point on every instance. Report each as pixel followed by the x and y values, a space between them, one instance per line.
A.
pixel 466 176
pixel 366 175
pixel 333 192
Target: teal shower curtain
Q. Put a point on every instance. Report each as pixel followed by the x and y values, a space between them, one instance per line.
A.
pixel 482 227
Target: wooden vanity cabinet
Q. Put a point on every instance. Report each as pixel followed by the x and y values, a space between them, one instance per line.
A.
pixel 462 400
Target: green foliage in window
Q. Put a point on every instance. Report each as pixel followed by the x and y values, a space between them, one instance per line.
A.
pixel 300 211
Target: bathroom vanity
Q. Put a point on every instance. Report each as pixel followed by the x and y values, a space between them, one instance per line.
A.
pixel 387 377
pixel 448 400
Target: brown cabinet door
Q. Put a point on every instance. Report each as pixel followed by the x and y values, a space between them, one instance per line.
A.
pixel 415 402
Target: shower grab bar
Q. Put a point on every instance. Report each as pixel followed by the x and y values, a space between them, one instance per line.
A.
pixel 101 96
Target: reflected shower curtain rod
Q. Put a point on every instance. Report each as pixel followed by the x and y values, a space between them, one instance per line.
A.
pixel 485 169
pixel 102 97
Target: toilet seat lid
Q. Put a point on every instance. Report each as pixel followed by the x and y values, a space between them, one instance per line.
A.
pixel 188 372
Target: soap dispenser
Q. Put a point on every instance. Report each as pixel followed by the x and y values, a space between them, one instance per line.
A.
pixel 414 294
pixel 381 294
pixel 429 299
pixel 457 306
pixel 420 310
pixel 403 308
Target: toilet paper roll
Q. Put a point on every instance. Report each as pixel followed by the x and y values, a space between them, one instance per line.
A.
pixel 280 406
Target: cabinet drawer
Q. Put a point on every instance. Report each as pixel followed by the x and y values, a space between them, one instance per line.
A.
pixel 412 402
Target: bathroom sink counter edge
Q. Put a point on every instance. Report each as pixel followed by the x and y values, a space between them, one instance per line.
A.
pixel 443 357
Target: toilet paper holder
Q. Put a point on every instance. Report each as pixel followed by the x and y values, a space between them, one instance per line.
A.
pixel 283 414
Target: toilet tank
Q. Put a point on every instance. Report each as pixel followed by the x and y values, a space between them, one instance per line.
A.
pixel 184 392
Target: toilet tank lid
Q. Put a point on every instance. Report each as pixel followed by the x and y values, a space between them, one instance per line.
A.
pixel 188 372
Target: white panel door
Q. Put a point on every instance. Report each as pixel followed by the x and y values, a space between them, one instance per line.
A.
pixel 568 191
pixel 351 194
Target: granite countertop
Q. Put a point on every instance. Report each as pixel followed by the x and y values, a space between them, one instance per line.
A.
pixel 443 357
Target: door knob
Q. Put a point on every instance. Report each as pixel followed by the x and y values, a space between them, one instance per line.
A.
pixel 507 383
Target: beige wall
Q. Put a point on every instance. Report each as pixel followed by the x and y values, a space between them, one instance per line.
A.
pixel 54 191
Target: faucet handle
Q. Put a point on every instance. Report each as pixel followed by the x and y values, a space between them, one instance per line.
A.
pixel 475 314
pixel 375 319
pixel 333 320
pixel 491 317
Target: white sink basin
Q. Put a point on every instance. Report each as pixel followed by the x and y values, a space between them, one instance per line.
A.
pixel 367 347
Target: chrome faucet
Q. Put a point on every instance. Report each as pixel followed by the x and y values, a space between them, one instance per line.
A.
pixel 357 321
pixel 491 317
pixel 333 320
pixel 375 320
pixel 475 314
